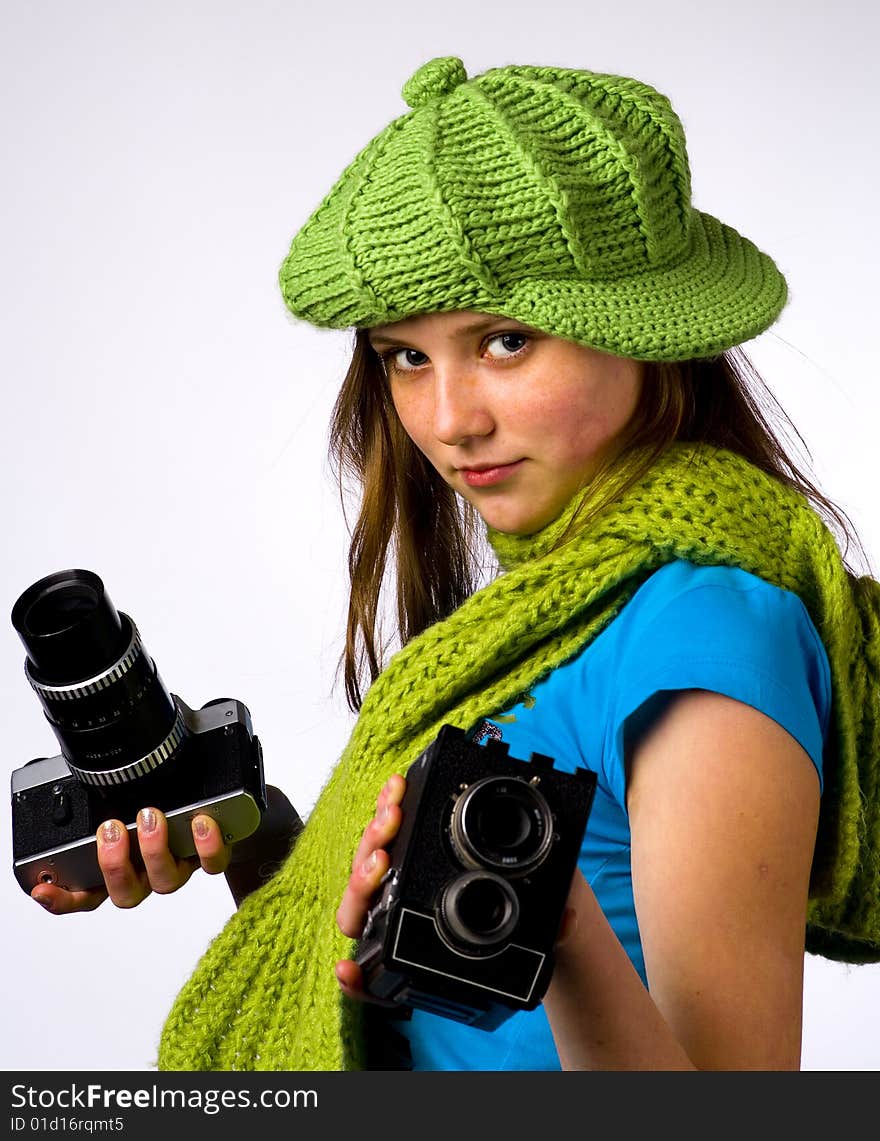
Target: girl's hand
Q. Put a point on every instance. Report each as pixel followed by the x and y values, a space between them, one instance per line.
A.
pixel 126 883
pixel 370 863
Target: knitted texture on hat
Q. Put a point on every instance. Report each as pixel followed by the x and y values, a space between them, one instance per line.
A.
pixel 556 197
pixel 264 995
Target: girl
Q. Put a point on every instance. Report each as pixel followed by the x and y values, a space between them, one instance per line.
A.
pixel 546 354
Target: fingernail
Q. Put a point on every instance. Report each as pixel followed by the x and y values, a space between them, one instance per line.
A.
pixel 148 820
pixel 43 901
pixel 383 814
pixel 110 832
pixel 370 862
pixel 201 826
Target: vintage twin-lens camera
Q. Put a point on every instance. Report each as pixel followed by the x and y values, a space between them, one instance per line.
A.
pixel 126 742
pixel 468 914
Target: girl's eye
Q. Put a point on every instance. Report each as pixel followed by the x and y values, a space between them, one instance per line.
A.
pixel 511 343
pixel 402 360
pixel 501 346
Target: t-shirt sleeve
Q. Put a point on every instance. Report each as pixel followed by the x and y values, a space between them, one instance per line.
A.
pixel 721 629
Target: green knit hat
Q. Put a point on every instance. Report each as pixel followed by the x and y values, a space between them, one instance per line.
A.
pixel 556 197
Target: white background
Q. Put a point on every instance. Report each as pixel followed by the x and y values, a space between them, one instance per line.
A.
pixel 164 420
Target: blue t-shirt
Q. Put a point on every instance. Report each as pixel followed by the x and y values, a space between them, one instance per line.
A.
pixel 687 627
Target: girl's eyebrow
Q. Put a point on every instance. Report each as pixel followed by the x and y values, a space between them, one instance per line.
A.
pixel 463 331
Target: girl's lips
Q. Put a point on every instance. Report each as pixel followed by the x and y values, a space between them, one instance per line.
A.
pixel 488 477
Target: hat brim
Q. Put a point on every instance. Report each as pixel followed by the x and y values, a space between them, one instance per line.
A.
pixel 724 292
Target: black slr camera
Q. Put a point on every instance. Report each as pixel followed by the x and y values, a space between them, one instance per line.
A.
pixel 126 742
pixel 469 912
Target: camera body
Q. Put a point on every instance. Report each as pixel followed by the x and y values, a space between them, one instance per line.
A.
pixel 218 772
pixel 126 742
pixel 469 911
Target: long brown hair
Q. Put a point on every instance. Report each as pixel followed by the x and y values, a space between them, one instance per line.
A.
pixel 414 535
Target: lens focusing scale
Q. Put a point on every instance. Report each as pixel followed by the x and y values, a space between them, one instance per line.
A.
pixel 138 768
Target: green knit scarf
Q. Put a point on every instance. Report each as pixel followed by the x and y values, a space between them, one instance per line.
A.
pixel 264 995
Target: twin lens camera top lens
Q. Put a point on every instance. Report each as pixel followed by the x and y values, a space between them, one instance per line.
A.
pixel 503 824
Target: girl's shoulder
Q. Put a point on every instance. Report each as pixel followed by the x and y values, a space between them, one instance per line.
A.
pixel 692 609
pixel 716 628
pixel 722 629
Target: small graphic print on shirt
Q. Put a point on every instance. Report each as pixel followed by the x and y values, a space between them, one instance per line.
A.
pixel 486 730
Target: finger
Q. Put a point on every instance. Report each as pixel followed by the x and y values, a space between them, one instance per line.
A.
pixel 351 983
pixel 125 886
pixel 58 901
pixel 395 787
pixel 212 850
pixel 361 887
pixel 350 978
pixel 378 834
pixel 164 873
pixel 386 822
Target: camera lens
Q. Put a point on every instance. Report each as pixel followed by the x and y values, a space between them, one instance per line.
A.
pixel 478 910
pixel 503 823
pixel 99 689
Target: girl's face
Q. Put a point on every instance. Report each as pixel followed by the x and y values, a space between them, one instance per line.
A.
pixel 515 420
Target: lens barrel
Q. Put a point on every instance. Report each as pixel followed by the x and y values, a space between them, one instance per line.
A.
pixel 478 910
pixel 100 690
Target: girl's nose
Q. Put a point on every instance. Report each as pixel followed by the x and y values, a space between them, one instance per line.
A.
pixel 460 408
